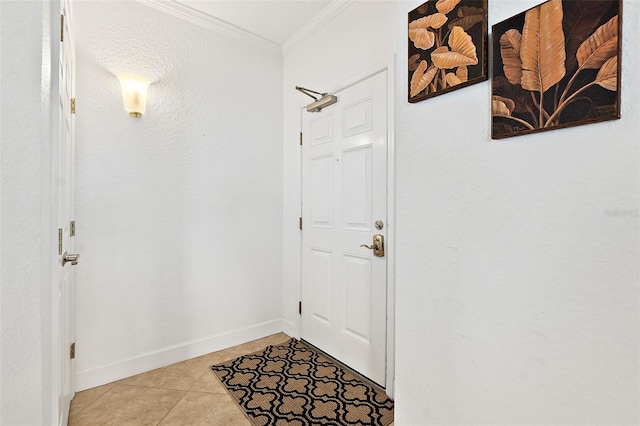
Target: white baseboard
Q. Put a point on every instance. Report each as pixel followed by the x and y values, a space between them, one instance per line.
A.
pixel 117 370
pixel 291 329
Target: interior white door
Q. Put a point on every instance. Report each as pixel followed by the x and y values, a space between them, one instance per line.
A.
pixel 65 190
pixel 344 193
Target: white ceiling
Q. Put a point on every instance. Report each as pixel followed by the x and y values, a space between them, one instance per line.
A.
pixel 273 20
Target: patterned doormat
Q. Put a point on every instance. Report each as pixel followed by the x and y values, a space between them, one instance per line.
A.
pixel 291 384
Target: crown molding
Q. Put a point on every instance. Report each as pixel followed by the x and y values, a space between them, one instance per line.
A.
pixel 320 20
pixel 205 20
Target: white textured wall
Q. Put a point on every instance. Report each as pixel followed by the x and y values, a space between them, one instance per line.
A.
pixel 179 213
pixel 517 296
pixel 25 215
pixel 360 37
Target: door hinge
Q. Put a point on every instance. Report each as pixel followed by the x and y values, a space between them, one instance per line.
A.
pixel 300 307
pixel 72 228
pixel 73 105
pixel 300 138
pixel 59 241
pixel 72 351
pixel 300 223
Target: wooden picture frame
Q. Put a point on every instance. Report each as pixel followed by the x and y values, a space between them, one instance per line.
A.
pixel 447 47
pixel 556 65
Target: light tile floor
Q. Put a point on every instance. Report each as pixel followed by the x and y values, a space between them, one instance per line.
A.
pixel 186 393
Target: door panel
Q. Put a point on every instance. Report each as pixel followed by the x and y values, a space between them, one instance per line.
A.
pixel 321 130
pixel 357 118
pixel 321 292
pixel 357 280
pixel 356 189
pixel 321 191
pixel 344 157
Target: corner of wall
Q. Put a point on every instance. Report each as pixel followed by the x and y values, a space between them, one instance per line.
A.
pixel 290 328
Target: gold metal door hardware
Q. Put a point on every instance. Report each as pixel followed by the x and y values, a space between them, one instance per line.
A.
pixel 377 246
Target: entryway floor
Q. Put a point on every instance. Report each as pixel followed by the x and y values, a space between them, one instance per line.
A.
pixel 186 393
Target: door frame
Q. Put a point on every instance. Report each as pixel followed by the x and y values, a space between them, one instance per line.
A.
pixel 390 249
pixel 54 9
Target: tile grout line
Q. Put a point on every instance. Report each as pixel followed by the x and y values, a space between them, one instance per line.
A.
pixel 171 409
pixel 237 404
pixel 91 403
pixel 156 387
pixel 212 374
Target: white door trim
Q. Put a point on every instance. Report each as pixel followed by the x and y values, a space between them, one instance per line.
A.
pixel 390 251
pixel 61 320
pixel 51 107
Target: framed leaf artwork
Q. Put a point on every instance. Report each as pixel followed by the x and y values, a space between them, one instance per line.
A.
pixel 447 46
pixel 556 65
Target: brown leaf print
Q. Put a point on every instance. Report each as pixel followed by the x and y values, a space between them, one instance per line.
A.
pixel 600 47
pixel 463 74
pixel 608 75
pixel 467 18
pixel 420 33
pixel 466 22
pixel 499 106
pixel 469 11
pixel 510 51
pixel 452 79
pixel 449 37
pixel 446 6
pixel 434 21
pixel 579 22
pixel 545 56
pixel 542 47
pixel 414 61
pixel 422 38
pixel 421 79
pixel 463 51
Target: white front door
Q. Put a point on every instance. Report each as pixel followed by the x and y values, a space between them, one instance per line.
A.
pixel 344 193
pixel 64 292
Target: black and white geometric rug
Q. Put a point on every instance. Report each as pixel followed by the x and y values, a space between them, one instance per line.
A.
pixel 292 384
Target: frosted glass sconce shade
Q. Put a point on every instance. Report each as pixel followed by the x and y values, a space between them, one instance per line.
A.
pixel 134 93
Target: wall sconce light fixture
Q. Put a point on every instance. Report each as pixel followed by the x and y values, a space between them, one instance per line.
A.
pixel 134 93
